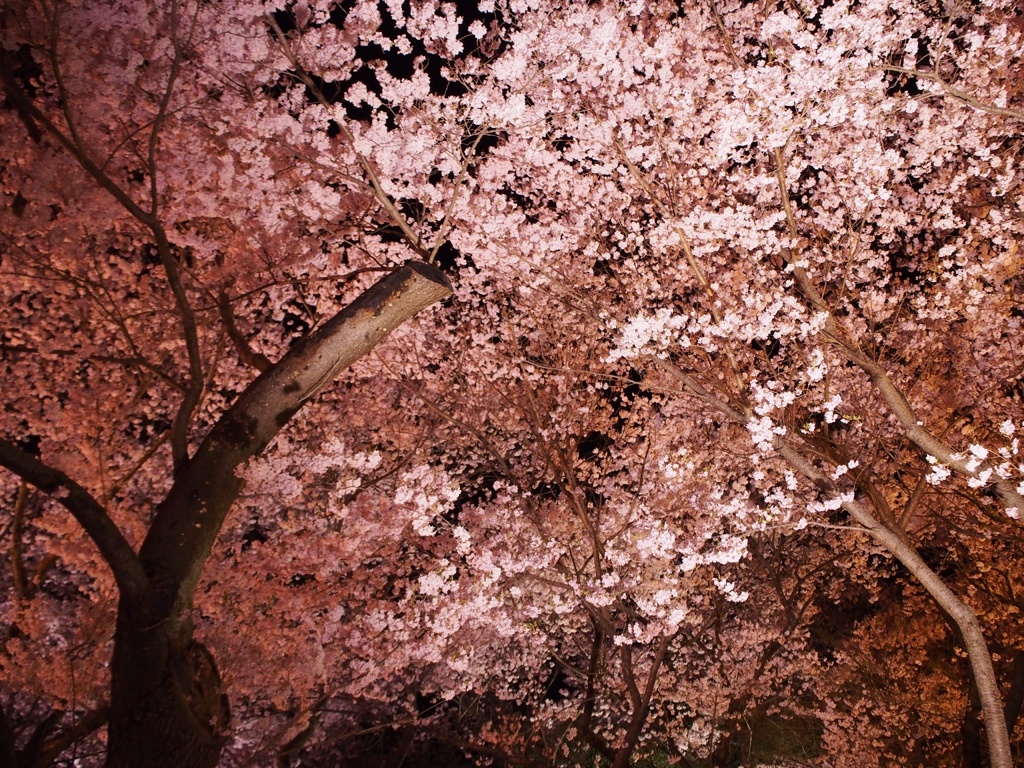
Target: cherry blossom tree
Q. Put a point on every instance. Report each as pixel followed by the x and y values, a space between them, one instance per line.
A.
pixel 164 684
pixel 716 441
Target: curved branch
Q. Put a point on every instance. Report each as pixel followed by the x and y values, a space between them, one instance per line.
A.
pixel 116 551
pixel 188 520
pixel 962 614
pixel 966 620
pixel 923 438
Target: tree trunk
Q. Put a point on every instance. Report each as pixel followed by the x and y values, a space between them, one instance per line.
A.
pixel 167 706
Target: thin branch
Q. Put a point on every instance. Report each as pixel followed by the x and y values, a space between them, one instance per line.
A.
pixel 378 190
pixel 24 104
pixel 713 303
pixel 189 403
pixel 161 112
pixel 120 482
pixel 720 23
pixel 446 223
pixel 17 527
pixel 298 154
pixel 957 94
pixel 117 552
pixel 182 419
pixel 141 362
pixel 149 219
pixel 245 353
pixel 691 385
pixel 456 422
pixel 594 739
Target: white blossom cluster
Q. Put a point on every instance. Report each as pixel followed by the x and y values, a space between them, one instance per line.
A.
pixel 648 334
pixel 429 492
pixel 763 432
pixel 770 397
pixel 728 589
pixel 831 505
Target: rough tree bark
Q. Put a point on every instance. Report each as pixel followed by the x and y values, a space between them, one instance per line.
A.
pixel 167 706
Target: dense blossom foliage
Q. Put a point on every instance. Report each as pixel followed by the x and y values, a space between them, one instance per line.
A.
pixel 737 284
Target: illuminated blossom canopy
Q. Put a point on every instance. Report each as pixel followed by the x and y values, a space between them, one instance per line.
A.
pixel 522 381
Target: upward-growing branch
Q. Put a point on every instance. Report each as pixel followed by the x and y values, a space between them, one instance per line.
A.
pixel 72 142
pixel 372 178
pixel 890 394
pixel 188 520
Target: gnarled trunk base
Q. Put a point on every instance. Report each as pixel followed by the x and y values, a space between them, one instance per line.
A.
pixel 168 709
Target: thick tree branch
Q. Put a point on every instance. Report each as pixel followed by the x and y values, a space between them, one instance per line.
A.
pixel 590 735
pixel 117 552
pixel 188 520
pixel 641 700
pixel 160 672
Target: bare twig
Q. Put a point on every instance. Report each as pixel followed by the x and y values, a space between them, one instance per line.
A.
pixel 371 174
pixel 120 482
pixel 245 353
pixel 142 362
